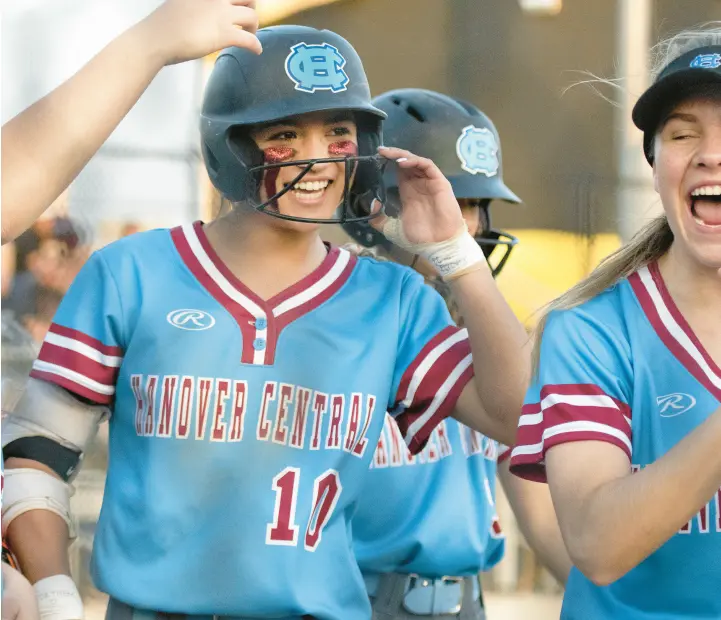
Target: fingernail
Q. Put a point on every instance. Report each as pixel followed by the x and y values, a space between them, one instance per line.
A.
pixel 400 159
pixel 383 147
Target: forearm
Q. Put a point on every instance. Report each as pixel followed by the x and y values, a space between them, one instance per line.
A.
pixel 47 145
pixel 546 541
pixel 501 348
pixel 39 539
pixel 621 522
pixel 532 506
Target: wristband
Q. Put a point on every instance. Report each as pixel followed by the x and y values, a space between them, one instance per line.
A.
pixel 451 258
pixel 58 598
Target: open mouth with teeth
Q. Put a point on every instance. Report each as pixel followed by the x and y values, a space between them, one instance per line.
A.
pixel 310 191
pixel 706 206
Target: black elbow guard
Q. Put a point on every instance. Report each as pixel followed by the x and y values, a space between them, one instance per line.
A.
pixel 63 461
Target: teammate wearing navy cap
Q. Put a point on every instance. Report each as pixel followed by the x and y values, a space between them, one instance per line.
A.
pixel 623 417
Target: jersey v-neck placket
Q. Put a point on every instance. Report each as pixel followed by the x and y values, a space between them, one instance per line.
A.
pixel 260 322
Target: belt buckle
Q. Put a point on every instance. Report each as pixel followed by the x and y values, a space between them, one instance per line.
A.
pixel 449 595
pixel 425 596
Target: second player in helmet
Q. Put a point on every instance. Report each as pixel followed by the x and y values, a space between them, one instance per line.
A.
pixel 426 525
pixel 464 143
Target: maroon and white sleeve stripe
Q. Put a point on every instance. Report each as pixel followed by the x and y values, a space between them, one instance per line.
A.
pixel 504 452
pixel 79 363
pixel 431 385
pixel 568 412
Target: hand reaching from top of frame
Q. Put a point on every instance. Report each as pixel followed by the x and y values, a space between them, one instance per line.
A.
pixel 188 29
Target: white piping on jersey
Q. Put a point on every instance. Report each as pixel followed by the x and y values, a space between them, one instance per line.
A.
pixel 218 277
pixel 75 377
pixel 571 427
pixel 530 419
pixel 674 328
pixel 576 400
pixel 83 349
pixel 440 396
pixel 428 362
pixel 315 290
pixel 581 400
pixel 248 304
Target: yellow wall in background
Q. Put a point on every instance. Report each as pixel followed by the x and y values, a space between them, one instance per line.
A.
pixel 545 263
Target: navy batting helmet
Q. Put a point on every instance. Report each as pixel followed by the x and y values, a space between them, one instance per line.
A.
pixel 461 140
pixel 301 70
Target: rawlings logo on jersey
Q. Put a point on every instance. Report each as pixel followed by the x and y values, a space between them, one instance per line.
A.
pixel 316 67
pixel 191 320
pixel 672 405
pixel 706 61
pixel 478 151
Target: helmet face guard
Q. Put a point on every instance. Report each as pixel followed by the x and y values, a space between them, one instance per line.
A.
pixel 355 206
pixel 492 240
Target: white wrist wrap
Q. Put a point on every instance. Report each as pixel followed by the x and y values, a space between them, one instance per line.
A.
pixel 31 489
pixel 448 257
pixel 58 598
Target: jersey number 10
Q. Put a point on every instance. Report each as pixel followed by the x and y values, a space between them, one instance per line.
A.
pixel 284 530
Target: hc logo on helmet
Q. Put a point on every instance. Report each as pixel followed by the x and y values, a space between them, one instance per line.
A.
pixel 706 61
pixel 478 151
pixel 316 67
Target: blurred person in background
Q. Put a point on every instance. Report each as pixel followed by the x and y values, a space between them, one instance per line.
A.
pixel 623 417
pixel 8 269
pixel 426 525
pixel 38 322
pixel 130 228
pixel 48 270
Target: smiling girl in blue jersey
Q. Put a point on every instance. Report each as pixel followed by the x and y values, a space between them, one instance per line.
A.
pixel 246 367
pixel 623 417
